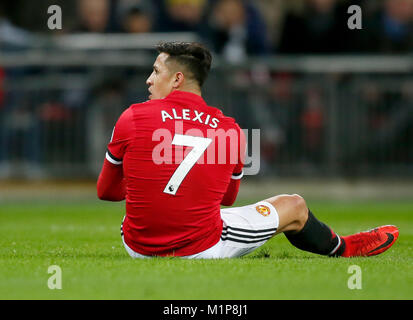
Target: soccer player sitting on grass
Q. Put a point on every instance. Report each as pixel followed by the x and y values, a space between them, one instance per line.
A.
pixel 159 160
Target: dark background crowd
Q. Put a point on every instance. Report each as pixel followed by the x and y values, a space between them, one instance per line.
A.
pixel 311 123
pixel 231 27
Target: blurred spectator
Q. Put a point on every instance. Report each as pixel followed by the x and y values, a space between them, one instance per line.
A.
pixel 20 136
pixel 389 29
pixel 104 108
pixel 2 88
pixel 10 35
pixel 312 123
pixel 273 12
pixel 238 30
pixel 321 27
pixel 136 20
pixel 33 15
pixel 93 16
pixel 180 15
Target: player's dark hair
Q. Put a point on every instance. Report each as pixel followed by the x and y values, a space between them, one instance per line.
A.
pixel 193 56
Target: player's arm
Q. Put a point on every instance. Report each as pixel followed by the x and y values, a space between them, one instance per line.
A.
pixel 111 184
pixel 232 190
pixel 233 187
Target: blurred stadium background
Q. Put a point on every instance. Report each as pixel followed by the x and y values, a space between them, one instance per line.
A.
pixel 334 105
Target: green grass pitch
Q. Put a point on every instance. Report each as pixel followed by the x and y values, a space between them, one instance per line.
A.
pixel 83 239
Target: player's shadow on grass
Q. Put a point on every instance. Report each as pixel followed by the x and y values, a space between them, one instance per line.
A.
pixel 282 255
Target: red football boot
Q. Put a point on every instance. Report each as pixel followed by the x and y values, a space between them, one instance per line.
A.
pixel 371 242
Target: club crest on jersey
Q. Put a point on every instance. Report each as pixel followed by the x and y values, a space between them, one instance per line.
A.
pixel 263 210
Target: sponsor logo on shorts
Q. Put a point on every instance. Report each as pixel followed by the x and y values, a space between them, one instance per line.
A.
pixel 263 210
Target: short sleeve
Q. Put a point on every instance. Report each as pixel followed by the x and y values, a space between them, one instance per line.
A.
pixel 122 134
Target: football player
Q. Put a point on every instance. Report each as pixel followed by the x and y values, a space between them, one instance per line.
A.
pixel 176 160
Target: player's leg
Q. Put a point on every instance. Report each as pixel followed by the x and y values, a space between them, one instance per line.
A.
pixel 292 212
pixel 247 228
pixel 303 229
pixel 306 232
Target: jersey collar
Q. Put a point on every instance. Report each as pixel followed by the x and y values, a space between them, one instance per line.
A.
pixel 185 95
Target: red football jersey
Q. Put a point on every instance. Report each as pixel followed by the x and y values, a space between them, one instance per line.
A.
pixel 178 157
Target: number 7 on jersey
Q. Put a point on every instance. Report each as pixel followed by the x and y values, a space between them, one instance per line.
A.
pixel 199 145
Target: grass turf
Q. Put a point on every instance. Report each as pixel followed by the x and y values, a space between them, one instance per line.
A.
pixel 83 239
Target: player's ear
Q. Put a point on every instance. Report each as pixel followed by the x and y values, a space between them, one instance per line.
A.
pixel 178 80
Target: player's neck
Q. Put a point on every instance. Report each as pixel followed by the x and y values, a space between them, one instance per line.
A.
pixel 193 90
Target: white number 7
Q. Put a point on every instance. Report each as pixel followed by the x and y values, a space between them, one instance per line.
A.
pixel 199 146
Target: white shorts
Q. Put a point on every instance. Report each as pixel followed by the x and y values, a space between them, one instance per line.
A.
pixel 244 230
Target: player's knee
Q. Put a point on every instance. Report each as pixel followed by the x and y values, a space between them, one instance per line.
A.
pixel 293 210
pixel 300 210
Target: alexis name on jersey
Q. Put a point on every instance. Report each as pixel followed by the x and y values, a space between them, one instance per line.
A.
pixel 192 115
